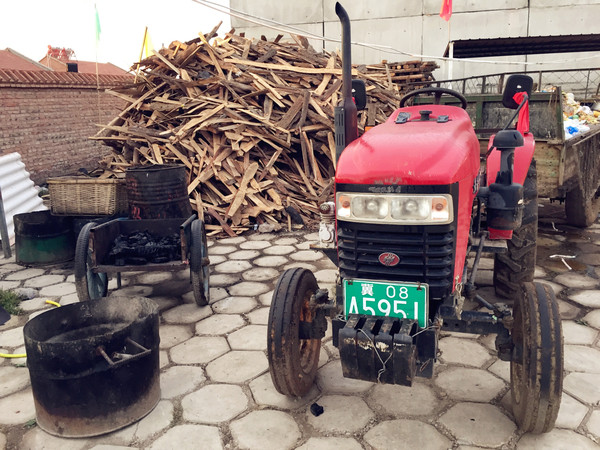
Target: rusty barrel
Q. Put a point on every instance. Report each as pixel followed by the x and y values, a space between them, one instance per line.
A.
pixel 157 192
pixel 94 366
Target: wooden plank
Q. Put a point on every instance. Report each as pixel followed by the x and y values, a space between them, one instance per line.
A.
pixel 239 197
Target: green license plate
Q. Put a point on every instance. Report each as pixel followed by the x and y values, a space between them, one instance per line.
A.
pixel 380 298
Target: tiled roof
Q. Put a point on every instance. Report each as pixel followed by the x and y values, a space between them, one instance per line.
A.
pixel 10 59
pixel 103 68
pixel 36 78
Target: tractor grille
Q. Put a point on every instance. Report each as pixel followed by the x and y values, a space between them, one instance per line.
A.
pixel 426 254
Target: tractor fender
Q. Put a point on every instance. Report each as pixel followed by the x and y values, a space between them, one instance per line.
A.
pixel 522 161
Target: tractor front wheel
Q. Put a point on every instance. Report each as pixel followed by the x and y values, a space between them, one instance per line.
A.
pixel 536 368
pixel 292 361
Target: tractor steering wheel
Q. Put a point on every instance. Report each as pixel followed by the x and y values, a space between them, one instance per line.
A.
pixel 437 93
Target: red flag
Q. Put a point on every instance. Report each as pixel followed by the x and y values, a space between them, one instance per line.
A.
pixel 446 10
pixel 523 121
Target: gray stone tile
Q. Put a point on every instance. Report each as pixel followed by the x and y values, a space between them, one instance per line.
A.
pixel 271 261
pixel 199 350
pixel 220 324
pixel 463 351
pixel 244 254
pixel 165 303
pixel 9 285
pixel 590 298
pixel 331 381
pixel 265 394
pixel 478 424
pixel 484 278
pixel 402 433
pixel 555 439
pixel 266 298
pixel 260 274
pixel 576 280
pixel 574 333
pixel 249 288
pixel 556 288
pixel 24 274
pixel 286 241
pixel 232 240
pixel 214 260
pixel 69 299
pixel 255 245
pixel 13 379
pixel 469 384
pixel 57 290
pixel 571 413
pixel 133 291
pixel 593 423
pixel 237 366
pixel 189 436
pixel 178 380
pixel 581 359
pixel 2 441
pixel 567 310
pixel 154 277
pixel 262 236
pixel 279 250
pixel 259 316
pixel 18 408
pixel 163 359
pixel 335 417
pixel 38 439
pixel 330 443
pixel 234 305
pixel 187 313
pixel 35 304
pixel 43 281
pixel 250 337
pixel 326 275
pixel 12 338
pixel 232 266
pixel 224 279
pixel 171 335
pixel 593 318
pixel 593 259
pixel 501 369
pixel 307 256
pixel 399 401
pixel 221 250
pixel 304 265
pixel 583 386
pixel 214 403
pixel 265 430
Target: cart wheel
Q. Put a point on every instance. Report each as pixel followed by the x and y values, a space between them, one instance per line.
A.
pixel 536 368
pixel 292 361
pixel 199 272
pixel 581 212
pixel 89 285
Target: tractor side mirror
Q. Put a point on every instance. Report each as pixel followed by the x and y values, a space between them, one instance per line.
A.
pixel 359 93
pixel 514 84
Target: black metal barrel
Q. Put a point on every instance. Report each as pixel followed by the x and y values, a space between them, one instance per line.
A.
pixel 157 192
pixel 41 238
pixel 94 366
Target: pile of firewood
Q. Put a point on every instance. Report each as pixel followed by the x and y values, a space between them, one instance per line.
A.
pixel 252 120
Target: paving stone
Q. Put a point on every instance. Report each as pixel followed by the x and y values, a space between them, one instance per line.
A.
pixel 303 265
pixel 286 241
pixel 557 288
pixel 279 250
pixel 199 350
pixel 581 359
pixel 232 240
pixel 593 259
pixel 260 274
pixel 24 274
pixel 222 279
pixel 189 436
pixel 576 280
pixel 171 335
pixel 163 359
pixel 57 290
pixel 326 275
pixel 266 298
pixel 234 305
pixel 574 333
pixel 111 447
pixel 219 324
pixel 331 380
pixel 469 384
pixel 312 237
pixel 243 254
pixel 259 316
pixel 12 338
pixel 251 337
pixel 178 380
pixel 590 298
pixel 233 266
pixel 539 272
pixel 262 236
pixel 271 261
pixel 307 255
pixel 571 413
pixel 17 408
pixel 567 310
pixel 304 245
pixel 237 366
pixel 330 443
pixel 265 394
pixel 593 423
pixel 38 439
pixel 417 400
pixel 187 313
pixel 265 430
pixel 214 260
pixel 13 379
pixel 593 318
pixel 463 351
pixel 478 424
pixel 35 304
pixel 9 285
pixel 501 369
pixel 165 303
pixel 249 288
pixel 214 403
pixel 133 291
pixel 335 417
pixel 221 250
pixel 397 434
pixel 69 299
pixel 43 281
pixel 555 439
pixel 255 245
pixel 583 386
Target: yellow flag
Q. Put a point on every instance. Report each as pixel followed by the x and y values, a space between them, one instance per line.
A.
pixel 148 47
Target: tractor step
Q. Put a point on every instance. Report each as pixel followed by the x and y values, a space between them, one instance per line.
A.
pixel 491 246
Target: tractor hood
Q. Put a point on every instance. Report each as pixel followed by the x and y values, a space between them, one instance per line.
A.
pixel 439 149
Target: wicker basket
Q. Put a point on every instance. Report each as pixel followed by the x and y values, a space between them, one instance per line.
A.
pixel 85 196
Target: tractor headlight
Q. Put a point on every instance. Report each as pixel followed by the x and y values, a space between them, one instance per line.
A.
pixel 394 208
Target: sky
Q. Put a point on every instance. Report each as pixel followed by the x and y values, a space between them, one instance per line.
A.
pixel 29 26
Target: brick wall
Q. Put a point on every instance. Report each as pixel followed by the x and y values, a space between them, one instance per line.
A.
pixel 48 121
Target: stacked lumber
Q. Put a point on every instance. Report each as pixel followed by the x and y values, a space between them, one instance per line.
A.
pixel 252 120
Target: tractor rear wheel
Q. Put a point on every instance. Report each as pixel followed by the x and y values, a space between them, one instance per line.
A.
pixel 293 361
pixel 536 367
pixel 517 265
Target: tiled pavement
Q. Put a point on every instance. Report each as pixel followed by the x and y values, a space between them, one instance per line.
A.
pixel 217 392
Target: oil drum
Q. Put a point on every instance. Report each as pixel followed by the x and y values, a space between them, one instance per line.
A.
pixel 41 238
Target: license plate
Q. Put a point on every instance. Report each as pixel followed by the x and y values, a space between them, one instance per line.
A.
pixel 386 299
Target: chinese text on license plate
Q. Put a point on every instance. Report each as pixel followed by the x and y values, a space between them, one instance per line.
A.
pixel 376 298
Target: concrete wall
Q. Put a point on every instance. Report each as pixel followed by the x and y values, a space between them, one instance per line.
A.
pixel 415 27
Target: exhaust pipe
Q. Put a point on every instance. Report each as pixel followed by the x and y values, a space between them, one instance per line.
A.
pixel 346 121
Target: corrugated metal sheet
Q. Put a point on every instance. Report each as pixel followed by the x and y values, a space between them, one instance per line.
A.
pixel 18 192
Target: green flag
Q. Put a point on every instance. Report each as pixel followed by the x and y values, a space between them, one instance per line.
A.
pixel 98 30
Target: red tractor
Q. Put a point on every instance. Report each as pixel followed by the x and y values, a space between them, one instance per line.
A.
pixel 411 205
